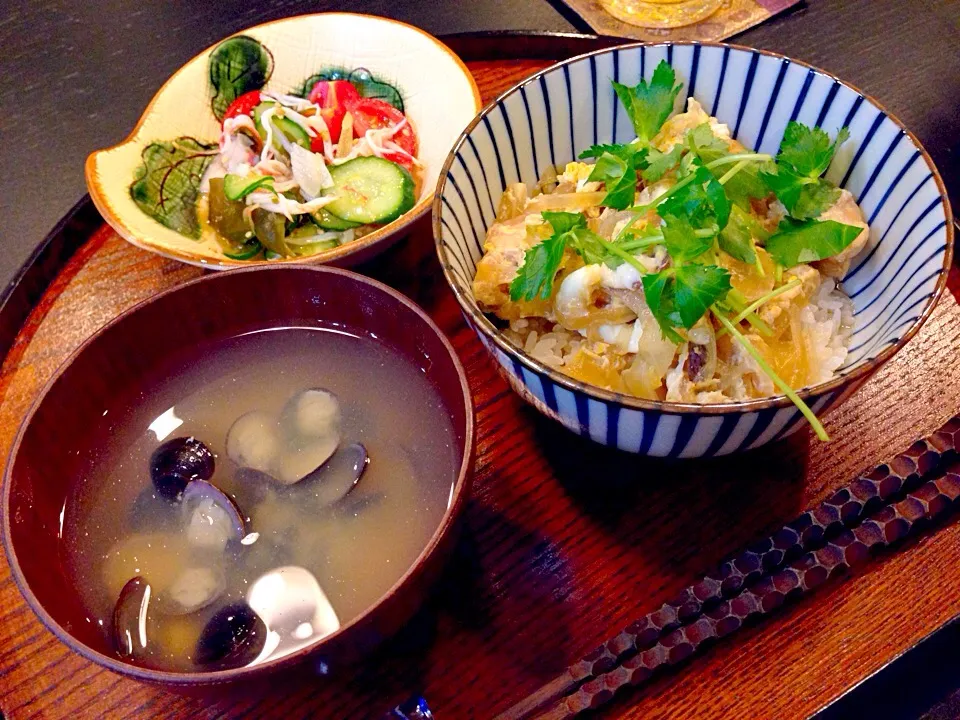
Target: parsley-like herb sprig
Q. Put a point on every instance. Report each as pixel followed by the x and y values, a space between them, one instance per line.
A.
pixel 648 106
pixel 805 154
pixel 795 178
pixel 642 210
pixel 782 385
pixel 541 262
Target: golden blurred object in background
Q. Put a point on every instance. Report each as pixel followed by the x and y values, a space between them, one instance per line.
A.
pixel 661 13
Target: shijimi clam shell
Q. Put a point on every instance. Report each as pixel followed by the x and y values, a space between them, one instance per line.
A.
pixel 549 118
pixel 440 97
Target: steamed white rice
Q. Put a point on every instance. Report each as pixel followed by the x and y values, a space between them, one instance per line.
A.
pixel 826 325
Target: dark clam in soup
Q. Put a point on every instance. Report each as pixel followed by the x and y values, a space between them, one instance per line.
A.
pixel 258 495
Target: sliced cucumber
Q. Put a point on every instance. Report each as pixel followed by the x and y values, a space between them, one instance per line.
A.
pixel 288 127
pixel 328 221
pixel 314 248
pixel 236 187
pixel 244 252
pixel 310 235
pixel 370 190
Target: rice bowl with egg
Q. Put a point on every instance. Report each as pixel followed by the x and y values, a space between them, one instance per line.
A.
pixel 681 266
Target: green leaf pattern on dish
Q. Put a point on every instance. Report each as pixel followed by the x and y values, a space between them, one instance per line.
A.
pixel 166 186
pixel 237 65
pixel 367 85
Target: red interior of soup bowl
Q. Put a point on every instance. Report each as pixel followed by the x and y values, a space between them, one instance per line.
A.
pixel 62 431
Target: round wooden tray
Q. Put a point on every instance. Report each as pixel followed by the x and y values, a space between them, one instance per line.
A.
pixel 565 542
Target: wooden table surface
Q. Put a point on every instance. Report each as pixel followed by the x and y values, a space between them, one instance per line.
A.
pixel 564 542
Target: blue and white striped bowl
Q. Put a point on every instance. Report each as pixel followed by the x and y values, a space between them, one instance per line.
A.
pixel 550 117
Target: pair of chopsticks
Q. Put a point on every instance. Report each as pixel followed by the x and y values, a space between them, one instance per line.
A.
pixel 874 511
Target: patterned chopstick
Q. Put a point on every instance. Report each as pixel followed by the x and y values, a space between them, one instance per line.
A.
pixel 846 508
pixel 851 548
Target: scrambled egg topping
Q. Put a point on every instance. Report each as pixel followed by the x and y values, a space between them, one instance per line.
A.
pixel 576 173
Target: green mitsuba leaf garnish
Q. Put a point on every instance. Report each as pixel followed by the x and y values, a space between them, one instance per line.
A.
pixel 564 222
pixel 679 296
pixel 595 151
pixel 739 237
pixel 798 242
pixel 786 185
pixel 697 288
pixel 658 290
pixel 660 163
pixel 618 172
pixel 702 201
pixel 617 167
pixel 808 151
pixel 621 193
pixel 705 145
pixel 746 184
pixel 682 239
pixel 814 199
pixel 803 197
pixel 805 154
pixel 540 265
pixel 609 166
pixel 541 262
pixel 166 185
pixel 650 104
pixel 237 65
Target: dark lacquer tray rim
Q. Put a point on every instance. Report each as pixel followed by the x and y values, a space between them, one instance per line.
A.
pixel 20 296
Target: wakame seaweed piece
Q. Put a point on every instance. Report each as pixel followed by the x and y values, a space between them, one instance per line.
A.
pixel 237 65
pixel 271 231
pixel 226 217
pixel 167 184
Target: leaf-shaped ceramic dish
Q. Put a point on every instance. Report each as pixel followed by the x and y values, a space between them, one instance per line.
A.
pixel 438 93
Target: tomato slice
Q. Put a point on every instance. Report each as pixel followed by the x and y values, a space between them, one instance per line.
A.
pixel 330 93
pixel 400 159
pixel 243 105
pixel 372 114
pixel 332 96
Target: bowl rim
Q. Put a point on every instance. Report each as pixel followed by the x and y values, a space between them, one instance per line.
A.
pixel 452 513
pixel 99 195
pixel 860 371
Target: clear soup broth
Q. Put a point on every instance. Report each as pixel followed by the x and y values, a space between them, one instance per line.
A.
pixel 310 555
